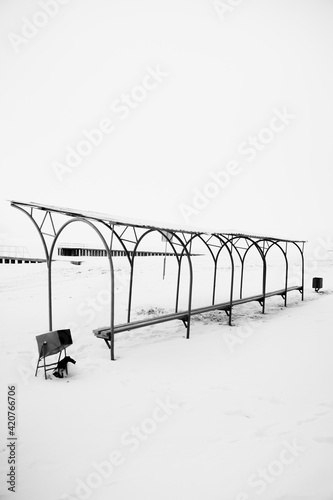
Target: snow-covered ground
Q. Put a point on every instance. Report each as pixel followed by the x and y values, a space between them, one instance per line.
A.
pixel 235 413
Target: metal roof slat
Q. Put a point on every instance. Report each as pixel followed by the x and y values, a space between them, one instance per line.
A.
pixel 149 225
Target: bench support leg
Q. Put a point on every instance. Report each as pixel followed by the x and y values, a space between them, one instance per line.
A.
pixel 228 313
pixel 107 343
pixel 186 323
pixel 188 330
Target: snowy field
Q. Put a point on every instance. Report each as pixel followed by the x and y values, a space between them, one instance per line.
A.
pixel 235 413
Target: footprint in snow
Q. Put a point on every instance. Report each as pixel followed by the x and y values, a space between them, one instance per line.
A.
pixel 219 388
pixel 329 404
pixel 125 382
pixel 312 419
pixel 328 440
pixel 237 413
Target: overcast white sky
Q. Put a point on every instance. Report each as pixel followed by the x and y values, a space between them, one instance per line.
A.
pixel 223 75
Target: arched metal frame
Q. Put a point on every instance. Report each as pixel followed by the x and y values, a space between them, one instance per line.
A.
pixel 189 243
pixel 49 255
pixel 90 224
pixel 301 251
pixel 242 259
pixel 215 259
pixel 164 234
pixel 181 238
pixel 38 230
pixel 114 233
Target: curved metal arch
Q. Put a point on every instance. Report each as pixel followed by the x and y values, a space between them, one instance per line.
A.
pixel 178 260
pixel 85 221
pixel 255 243
pixel 232 271
pixel 229 240
pixel 262 255
pixel 286 262
pixel 273 242
pixel 119 239
pixel 276 244
pixel 225 244
pixel 163 234
pixel 220 239
pixel 245 238
pixel 197 235
pixel 299 249
pixel 38 229
pixel 302 260
pixel 132 264
pixel 271 246
pixel 216 259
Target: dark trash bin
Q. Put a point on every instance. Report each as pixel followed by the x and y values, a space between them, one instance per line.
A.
pixel 317 283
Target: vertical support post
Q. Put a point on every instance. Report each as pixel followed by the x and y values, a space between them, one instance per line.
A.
pixel 164 260
pixel 178 281
pixel 130 290
pixel 189 305
pixel 189 297
pixel 49 285
pixel 302 254
pixel 287 269
pixel 214 281
pixel 190 289
pixel 264 283
pixel 231 285
pixel 111 307
pixel 241 280
pixel 109 254
pixel 231 293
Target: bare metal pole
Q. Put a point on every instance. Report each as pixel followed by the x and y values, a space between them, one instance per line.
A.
pixel 231 288
pixel 189 293
pixel 178 282
pixel 130 291
pixel 49 288
pixel 241 280
pixel 164 262
pixel 214 281
pixel 302 254
pixel 287 271
pixel 264 275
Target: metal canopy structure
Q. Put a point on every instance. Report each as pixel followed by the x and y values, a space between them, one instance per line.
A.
pixel 128 234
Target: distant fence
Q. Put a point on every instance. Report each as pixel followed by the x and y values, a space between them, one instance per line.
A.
pixel 82 251
pixel 19 260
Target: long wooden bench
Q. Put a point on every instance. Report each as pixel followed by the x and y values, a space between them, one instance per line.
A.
pixel 104 332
